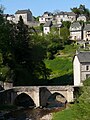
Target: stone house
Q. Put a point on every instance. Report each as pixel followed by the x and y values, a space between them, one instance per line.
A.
pixel 47 16
pixel 26 15
pixel 65 16
pixel 76 31
pixel 81 67
pixel 86 32
pixel 47 27
pixel 11 18
pixel 82 18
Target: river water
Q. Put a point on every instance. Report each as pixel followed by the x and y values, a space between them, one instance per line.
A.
pixel 33 114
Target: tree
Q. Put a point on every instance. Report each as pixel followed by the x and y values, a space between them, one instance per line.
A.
pixel 21 53
pixel 66 24
pixel 81 10
pixel 30 53
pixel 75 10
pixel 81 110
pixel 64 33
pixel 4 48
pixel 54 43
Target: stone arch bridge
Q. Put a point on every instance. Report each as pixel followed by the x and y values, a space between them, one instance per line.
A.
pixel 39 94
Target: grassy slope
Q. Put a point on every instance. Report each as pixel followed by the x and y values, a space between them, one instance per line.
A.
pixel 62 64
pixel 64 115
pixel 59 66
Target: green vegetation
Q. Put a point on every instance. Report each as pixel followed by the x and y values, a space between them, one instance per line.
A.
pixel 21 54
pixel 69 50
pixel 59 66
pixel 64 115
pixel 81 108
pixel 81 10
pixel 27 58
pixel 61 71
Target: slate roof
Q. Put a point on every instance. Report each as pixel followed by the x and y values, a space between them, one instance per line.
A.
pixel 49 13
pixel 22 11
pixel 57 25
pixel 48 24
pixel 75 24
pixel 84 56
pixel 71 13
pixel 87 27
pixel 66 13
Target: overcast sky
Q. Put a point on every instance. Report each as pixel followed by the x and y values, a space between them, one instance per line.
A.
pixel 39 6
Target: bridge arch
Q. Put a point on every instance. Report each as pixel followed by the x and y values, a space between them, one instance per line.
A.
pixel 48 97
pixel 57 97
pixel 24 100
pixel 56 100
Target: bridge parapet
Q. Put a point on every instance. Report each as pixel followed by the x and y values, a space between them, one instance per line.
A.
pixel 66 91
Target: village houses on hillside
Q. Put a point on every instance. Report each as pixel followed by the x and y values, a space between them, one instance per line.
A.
pixel 77 31
pixel 58 18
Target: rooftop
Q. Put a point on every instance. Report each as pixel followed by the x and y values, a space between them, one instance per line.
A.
pixel 84 56
pixel 75 24
pixel 48 24
pixel 66 13
pixel 22 11
pixel 87 27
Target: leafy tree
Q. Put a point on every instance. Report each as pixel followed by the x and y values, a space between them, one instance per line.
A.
pixel 31 53
pixel 66 24
pixel 21 53
pixel 75 10
pixel 4 48
pixel 81 110
pixel 54 44
pixel 37 19
pixel 64 33
pixel 81 10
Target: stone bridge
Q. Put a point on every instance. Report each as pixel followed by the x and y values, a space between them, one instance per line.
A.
pixel 38 94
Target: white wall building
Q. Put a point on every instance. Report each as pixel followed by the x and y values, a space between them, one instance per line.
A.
pixel 47 27
pixel 47 16
pixel 65 16
pixel 82 18
pixel 76 32
pixel 86 32
pixel 81 67
pixel 26 15
pixel 11 18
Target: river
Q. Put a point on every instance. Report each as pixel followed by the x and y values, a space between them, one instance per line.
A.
pixel 33 114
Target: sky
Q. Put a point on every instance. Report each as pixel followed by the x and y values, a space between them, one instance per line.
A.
pixel 38 7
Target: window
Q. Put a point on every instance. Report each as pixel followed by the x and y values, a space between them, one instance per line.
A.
pixel 87 76
pixel 87 67
pixel 45 28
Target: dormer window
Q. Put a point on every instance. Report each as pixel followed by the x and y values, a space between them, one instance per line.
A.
pixel 87 67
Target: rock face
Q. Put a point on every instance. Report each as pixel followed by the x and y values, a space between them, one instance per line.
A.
pixel 60 98
pixel 47 117
pixel 56 100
